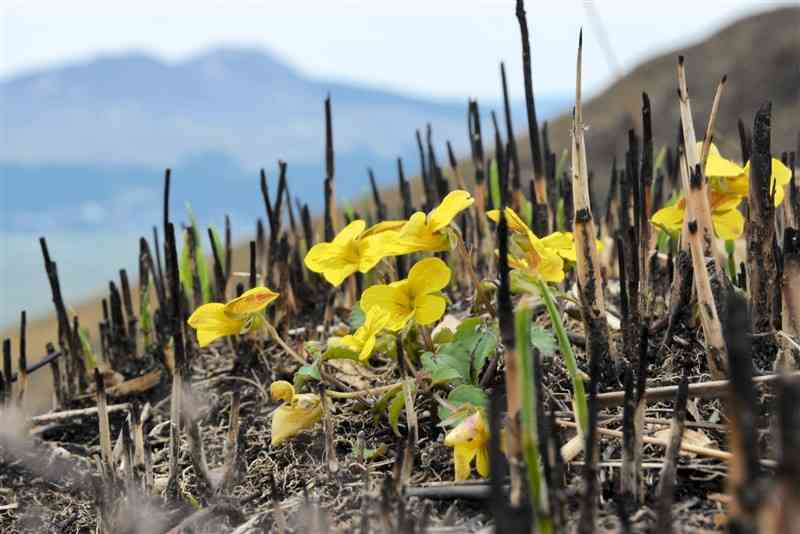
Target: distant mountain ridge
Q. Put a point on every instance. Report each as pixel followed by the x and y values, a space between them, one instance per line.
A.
pixel 136 109
pixel 215 118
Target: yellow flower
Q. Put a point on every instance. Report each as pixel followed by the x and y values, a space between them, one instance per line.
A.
pixel 417 296
pixel 429 232
pixel 727 220
pixel 363 341
pixel 543 257
pixel 563 243
pixel 470 441
pixel 350 251
pixel 298 412
pixel 240 315
pixel 727 177
pixel 728 184
pixel 533 256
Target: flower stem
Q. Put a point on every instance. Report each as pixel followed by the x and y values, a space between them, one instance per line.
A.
pixel 579 402
pixel 363 392
pixel 537 486
pixel 277 338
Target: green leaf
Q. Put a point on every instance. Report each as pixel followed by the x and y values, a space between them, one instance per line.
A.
pixel 397 405
pixel 472 345
pixel 216 242
pixel 443 335
pixel 185 268
pixel 543 340
pixel 440 372
pixel 527 212
pixel 357 317
pixel 494 184
pixel 306 373
pixel 199 257
pixel 466 396
pixel 86 348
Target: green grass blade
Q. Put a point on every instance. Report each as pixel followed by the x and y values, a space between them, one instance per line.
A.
pixel 579 403
pixel 530 438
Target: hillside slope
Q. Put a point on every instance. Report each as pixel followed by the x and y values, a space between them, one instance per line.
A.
pixel 759 54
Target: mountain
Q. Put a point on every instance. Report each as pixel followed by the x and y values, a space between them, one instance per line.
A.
pixel 760 56
pixel 102 132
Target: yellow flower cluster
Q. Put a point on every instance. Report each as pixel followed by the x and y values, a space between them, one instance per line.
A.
pixel 728 184
pixel 357 248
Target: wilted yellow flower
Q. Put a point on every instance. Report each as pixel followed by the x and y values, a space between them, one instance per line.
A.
pixel 470 441
pixel 429 232
pixel 417 296
pixel 363 341
pixel 238 316
pixel 298 412
pixel 350 251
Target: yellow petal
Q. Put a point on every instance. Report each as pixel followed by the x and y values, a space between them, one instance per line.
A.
pixel 451 205
pixel 366 350
pixel 716 165
pixel 381 227
pixel 551 268
pixel 281 390
pixel 469 439
pixel 514 221
pixel 376 320
pixel 372 250
pixel 393 300
pixel 482 462
pixel 562 243
pixel 429 308
pixel 333 261
pixel 250 302
pixel 350 232
pixel 293 417
pixel 462 458
pixel 728 225
pixel 428 275
pixel 670 218
pixel 781 175
pixel 723 202
pixel 211 322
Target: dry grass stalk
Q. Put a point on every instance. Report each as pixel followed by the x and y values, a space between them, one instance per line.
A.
pixel 760 232
pixel 542 222
pixel 103 424
pixel 697 197
pixel 712 328
pixel 232 442
pixel 712 119
pixel 65 415
pixel 593 308
pixel 790 299
pixel 741 409
pixel 701 390
pixel 666 483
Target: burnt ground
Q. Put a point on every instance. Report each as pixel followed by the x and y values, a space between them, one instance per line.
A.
pixel 296 478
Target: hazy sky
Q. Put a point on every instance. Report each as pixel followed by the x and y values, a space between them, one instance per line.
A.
pixel 445 48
